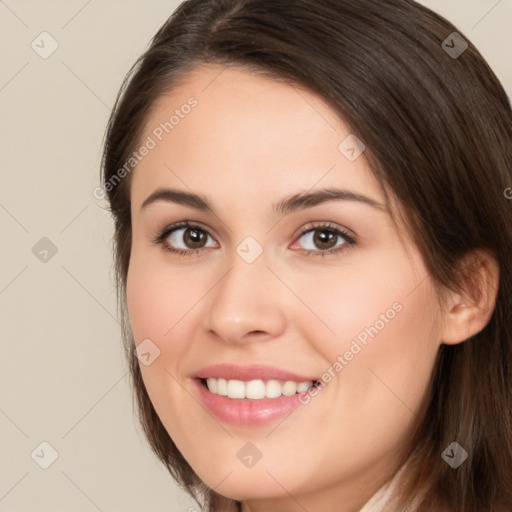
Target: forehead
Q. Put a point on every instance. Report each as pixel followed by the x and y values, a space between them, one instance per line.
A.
pixel 225 128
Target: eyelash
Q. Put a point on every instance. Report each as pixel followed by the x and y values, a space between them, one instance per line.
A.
pixel 327 226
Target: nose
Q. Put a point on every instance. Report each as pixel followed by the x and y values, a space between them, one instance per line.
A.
pixel 247 303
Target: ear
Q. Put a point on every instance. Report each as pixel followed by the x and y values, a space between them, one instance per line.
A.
pixel 467 313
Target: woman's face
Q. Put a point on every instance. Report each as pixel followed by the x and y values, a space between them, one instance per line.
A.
pixel 269 279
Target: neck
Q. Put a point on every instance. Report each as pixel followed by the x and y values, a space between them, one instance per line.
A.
pixel 349 495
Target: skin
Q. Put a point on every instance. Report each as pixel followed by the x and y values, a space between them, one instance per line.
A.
pixel 249 143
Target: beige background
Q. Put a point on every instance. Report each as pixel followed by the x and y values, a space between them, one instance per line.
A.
pixel 63 379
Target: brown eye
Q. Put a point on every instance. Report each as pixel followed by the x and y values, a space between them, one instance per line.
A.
pixel 185 238
pixel 194 238
pixel 324 239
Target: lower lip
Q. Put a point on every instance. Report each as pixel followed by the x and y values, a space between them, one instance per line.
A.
pixel 247 412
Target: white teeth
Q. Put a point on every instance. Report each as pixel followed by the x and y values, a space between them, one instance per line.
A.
pixel 212 385
pixel 255 389
pixel 289 388
pixel 222 387
pixel 273 389
pixel 303 386
pixel 236 389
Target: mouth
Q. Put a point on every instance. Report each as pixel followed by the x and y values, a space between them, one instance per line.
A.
pixel 250 395
pixel 250 404
pixel 256 389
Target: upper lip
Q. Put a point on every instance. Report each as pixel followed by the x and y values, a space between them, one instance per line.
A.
pixel 250 372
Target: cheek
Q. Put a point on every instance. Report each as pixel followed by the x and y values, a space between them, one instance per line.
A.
pixel 359 300
pixel 379 335
pixel 159 301
pixel 161 305
pixel 164 306
pixel 388 351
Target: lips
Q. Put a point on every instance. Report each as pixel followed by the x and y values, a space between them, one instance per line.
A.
pixel 251 372
pixel 245 411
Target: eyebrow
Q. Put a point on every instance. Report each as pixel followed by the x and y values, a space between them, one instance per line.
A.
pixel 285 206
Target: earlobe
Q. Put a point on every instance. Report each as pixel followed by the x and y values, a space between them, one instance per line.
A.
pixel 468 313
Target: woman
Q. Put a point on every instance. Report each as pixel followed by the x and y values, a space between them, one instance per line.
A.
pixel 312 244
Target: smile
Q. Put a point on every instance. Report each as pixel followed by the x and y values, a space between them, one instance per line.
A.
pixel 241 409
pixel 255 389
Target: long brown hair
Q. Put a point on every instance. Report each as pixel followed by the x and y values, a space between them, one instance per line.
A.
pixel 438 133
